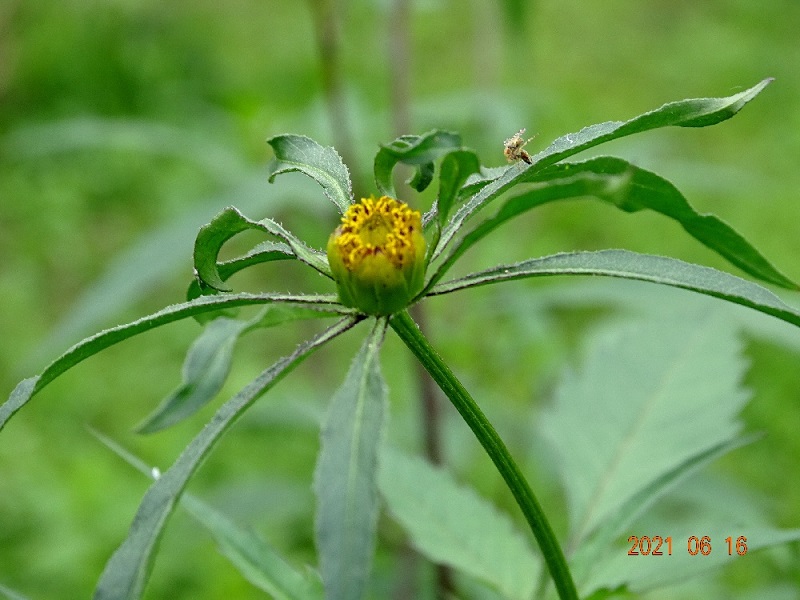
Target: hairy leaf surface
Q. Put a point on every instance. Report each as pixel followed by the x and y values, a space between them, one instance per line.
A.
pixel 322 163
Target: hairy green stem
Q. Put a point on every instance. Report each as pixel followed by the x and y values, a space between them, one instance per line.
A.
pixel 408 331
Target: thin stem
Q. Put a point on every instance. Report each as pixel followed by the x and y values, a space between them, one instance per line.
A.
pixel 328 38
pixel 431 413
pixel 399 65
pixel 408 331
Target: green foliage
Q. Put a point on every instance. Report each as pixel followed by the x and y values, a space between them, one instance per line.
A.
pixel 631 265
pixel 451 525
pixel 418 150
pixel 648 422
pixel 346 473
pixel 322 164
pixel 231 222
pixel 683 391
pixel 127 571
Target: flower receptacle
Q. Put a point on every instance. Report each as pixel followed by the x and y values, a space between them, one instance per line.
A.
pixel 377 256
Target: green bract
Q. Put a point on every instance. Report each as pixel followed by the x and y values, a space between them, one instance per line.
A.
pixel 377 256
pixel 379 262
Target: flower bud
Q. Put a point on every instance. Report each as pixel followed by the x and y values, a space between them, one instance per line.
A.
pixel 377 256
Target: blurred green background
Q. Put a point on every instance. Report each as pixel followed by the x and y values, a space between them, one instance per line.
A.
pixel 126 125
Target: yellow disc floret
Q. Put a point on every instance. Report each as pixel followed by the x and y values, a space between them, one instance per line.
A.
pixel 377 255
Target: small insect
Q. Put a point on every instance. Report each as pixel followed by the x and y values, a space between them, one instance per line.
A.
pixel 514 148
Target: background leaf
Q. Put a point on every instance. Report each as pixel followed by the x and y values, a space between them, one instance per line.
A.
pixel 322 163
pixel 642 267
pixel 452 525
pixel 647 397
pixel 593 551
pixel 706 505
pixel 345 480
pixel 11 594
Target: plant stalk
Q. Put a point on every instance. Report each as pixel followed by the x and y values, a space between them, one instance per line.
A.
pixel 326 15
pixel 408 331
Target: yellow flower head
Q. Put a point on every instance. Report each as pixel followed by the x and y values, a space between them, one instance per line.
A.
pixel 377 255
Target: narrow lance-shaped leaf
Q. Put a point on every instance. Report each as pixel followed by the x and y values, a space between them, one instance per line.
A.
pixel 418 150
pixel 127 571
pixel 452 525
pixel 205 369
pixel 227 224
pixel 698 112
pixel 208 362
pixel 256 560
pixel 642 267
pixel 456 167
pixel 345 479
pixel 90 346
pixel 322 163
pixel 647 191
pixel 629 188
pixel 253 557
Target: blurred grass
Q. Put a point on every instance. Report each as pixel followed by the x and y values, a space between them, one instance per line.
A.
pixel 227 78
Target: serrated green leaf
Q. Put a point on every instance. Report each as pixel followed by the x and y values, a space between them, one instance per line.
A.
pixel 452 525
pixel 27 388
pixel 127 571
pixel 418 150
pixel 698 112
pixel 648 397
pixel 591 552
pixel 679 567
pixel 231 222
pixel 322 163
pixel 345 479
pixel 708 506
pixel 631 189
pixel 642 267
